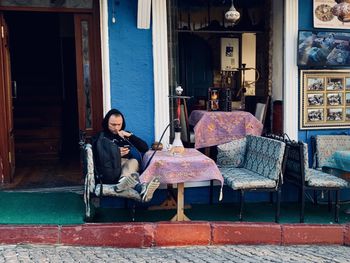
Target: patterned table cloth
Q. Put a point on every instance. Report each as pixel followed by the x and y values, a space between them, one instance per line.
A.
pixel 191 166
pixel 342 160
pixel 217 127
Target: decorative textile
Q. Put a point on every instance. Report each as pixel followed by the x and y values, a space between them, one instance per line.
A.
pixel 218 127
pixel 190 166
pixel 231 153
pixel 264 156
pixel 326 146
pixel 342 160
pixel 109 190
pixel 320 179
pixel 241 178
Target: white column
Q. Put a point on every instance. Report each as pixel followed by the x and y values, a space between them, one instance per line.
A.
pixel 143 14
pixel 160 68
pixel 105 56
pixel 290 96
pixel 277 50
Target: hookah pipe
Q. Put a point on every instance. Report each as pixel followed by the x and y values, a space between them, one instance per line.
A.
pixel 242 90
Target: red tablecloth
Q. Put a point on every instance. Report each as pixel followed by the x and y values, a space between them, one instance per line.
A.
pixel 191 166
pixel 218 127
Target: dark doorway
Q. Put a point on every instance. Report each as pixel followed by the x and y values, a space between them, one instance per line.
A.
pixel 45 111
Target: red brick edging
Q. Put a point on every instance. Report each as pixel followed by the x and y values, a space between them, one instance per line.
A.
pixel 176 234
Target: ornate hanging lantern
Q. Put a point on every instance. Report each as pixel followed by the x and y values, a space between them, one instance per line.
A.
pixel 232 15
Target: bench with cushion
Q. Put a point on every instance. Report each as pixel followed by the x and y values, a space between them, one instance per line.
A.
pixel 298 173
pixel 93 188
pixel 253 164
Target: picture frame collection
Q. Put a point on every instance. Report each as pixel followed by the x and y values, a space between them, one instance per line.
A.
pixel 325 99
pixel 324 84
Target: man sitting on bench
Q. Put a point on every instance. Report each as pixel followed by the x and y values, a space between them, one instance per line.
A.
pixel 115 163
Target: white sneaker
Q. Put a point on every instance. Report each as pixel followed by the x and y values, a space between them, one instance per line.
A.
pixel 125 182
pixel 148 189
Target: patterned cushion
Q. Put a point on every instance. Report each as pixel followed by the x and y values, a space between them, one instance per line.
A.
pixel 264 156
pixel 320 179
pixel 326 145
pixel 231 153
pixel 240 178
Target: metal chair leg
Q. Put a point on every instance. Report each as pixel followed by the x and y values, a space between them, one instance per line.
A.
pixel 336 218
pixel 315 197
pixel 241 205
pixel 133 211
pixel 278 206
pixel 302 206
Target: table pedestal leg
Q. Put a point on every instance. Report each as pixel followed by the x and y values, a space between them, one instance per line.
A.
pixel 207 151
pixel 180 215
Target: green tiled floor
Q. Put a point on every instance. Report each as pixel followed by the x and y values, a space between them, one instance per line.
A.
pixel 68 208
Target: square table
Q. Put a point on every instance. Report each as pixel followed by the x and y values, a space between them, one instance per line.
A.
pixel 190 166
pixel 217 127
pixel 339 164
pixel 342 160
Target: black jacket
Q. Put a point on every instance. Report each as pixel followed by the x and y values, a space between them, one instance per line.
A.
pixel 106 145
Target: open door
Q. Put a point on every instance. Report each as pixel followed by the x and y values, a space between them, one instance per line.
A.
pixel 7 152
pixel 89 82
pixel 49 81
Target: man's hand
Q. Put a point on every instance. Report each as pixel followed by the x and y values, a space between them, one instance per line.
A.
pixel 124 151
pixel 124 134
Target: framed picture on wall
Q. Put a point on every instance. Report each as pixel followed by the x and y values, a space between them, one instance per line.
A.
pixel 324 99
pixel 323 49
pixel 229 53
pixel 330 14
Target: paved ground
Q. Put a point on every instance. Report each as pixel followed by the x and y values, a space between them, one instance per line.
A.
pixel 30 253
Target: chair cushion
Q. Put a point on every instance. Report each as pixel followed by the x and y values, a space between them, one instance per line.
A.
pixel 240 178
pixel 264 156
pixel 231 153
pixel 108 190
pixel 320 179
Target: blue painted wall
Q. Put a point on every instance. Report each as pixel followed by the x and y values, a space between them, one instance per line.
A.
pixel 306 23
pixel 131 69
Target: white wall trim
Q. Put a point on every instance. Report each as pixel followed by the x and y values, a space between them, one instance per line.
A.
pixel 106 86
pixel 160 68
pixel 290 75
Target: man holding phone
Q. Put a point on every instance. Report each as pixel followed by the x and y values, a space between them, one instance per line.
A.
pixel 114 129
